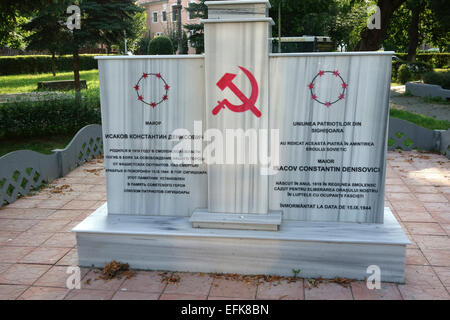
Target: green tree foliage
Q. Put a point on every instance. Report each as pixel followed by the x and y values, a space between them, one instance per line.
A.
pixel 13 13
pixel 404 23
pixel 306 17
pixel 174 38
pixel 138 27
pixel 441 10
pixel 350 20
pixel 185 43
pixel 370 39
pixel 16 34
pixel 142 45
pixel 439 25
pixel 417 8
pixel 396 38
pixel 160 45
pixel 102 21
pixel 47 30
pixel 197 10
pixel 431 29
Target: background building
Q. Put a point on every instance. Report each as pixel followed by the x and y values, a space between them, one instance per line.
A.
pixel 162 17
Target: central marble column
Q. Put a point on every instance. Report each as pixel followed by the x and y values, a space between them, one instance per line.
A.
pixel 237 105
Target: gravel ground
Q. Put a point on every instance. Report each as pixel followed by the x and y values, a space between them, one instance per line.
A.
pixel 415 104
pixel 32 96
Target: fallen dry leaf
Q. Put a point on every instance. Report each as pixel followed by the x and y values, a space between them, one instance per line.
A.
pixel 117 270
pixel 171 278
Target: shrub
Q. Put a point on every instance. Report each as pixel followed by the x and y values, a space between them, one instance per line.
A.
pixel 402 56
pixel 48 117
pixel 440 78
pixel 395 65
pixel 436 59
pixel 418 68
pixel 143 45
pixel 173 36
pixel 441 59
pixel 160 45
pixel 404 74
pixel 185 43
pixel 31 64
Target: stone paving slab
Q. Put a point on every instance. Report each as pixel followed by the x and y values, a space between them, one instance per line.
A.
pixel 37 246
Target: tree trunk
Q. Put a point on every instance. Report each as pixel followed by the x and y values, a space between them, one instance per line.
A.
pixel 76 71
pixel 371 38
pixel 53 64
pixel 413 32
pixel 179 35
pixel 76 76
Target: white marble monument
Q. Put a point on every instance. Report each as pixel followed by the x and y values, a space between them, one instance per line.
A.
pixel 319 208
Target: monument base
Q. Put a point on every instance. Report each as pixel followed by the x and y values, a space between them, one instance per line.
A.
pixel 202 218
pixel 319 249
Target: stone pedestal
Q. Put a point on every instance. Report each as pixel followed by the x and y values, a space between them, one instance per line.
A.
pixel 319 210
pixel 319 249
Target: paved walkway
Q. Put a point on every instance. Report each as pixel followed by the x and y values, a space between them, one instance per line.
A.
pixel 36 245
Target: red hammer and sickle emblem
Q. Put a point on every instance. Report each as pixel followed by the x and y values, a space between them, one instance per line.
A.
pixel 247 103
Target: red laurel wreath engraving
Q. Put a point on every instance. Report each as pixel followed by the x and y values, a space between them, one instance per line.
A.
pixel 141 98
pixel 326 103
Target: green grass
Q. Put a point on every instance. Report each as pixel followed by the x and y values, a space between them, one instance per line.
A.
pixel 420 120
pixel 28 83
pixel 43 145
pixel 434 100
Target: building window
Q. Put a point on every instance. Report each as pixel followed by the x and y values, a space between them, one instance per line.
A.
pixel 155 16
pixel 174 13
pixel 164 16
